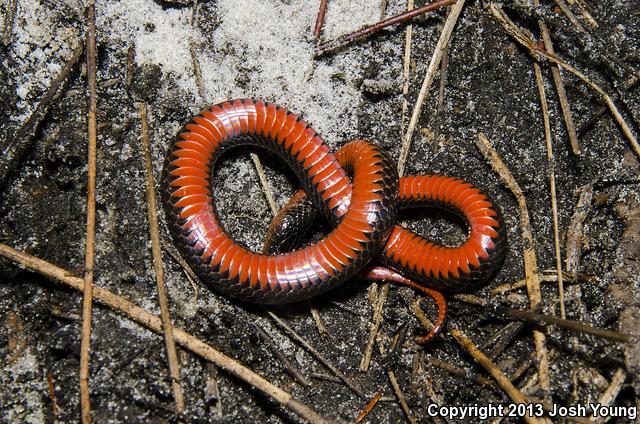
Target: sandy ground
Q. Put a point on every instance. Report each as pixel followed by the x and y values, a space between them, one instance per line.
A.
pixel 265 49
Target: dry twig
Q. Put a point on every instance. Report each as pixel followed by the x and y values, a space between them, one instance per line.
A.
pixel 574 233
pixel 194 13
pixel 503 381
pixel 537 318
pixel 547 276
pixel 212 391
pixel 131 56
pixel 174 364
pixel 397 390
pixel 590 122
pixel 383 8
pixel 186 269
pixel 565 323
pixel 365 32
pixel 610 395
pixel 52 394
pixel 16 338
pixel 197 72
pixel 530 262
pixel 381 298
pixel 315 313
pixel 562 93
pixel 522 368
pixel 288 365
pixel 266 187
pixel 406 66
pixel 569 14
pixel 317 354
pixel 501 339
pixel 320 19
pixel 444 66
pixel 87 302
pixel 452 369
pixel 443 41
pixel 372 403
pixel 153 322
pixel 586 14
pixel 538 53
pixel 173 252
pixel 326 377
pixel 552 180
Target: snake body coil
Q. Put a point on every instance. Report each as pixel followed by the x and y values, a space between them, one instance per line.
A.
pixel 359 230
pixel 361 209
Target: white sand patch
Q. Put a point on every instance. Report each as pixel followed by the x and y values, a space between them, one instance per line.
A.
pixel 161 36
pixel 346 16
pixel 22 374
pixel 262 49
pixel 40 45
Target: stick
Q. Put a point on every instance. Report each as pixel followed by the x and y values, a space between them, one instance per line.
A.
pixel 153 322
pixel 522 368
pixel 460 372
pixel 527 42
pixel 174 364
pixel 569 14
pixel 537 318
pixel 445 36
pixel 377 321
pixel 552 181
pixel 574 233
pixel 194 13
pixel 585 13
pixel 372 403
pixel 131 56
pixel 626 86
pixel 288 365
pixel 212 391
pixel 503 381
pixel 501 339
pixel 364 32
pixel 564 323
pixel 610 395
pixel 197 72
pixel 315 313
pixel 87 301
pixel 320 19
pixel 266 187
pixel 562 93
pixel 326 377
pixel 444 67
pixel 530 262
pixel 548 276
pixel 52 394
pixel 396 388
pixel 406 67
pixel 317 354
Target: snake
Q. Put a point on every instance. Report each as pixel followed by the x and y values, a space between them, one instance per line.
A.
pixel 356 190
